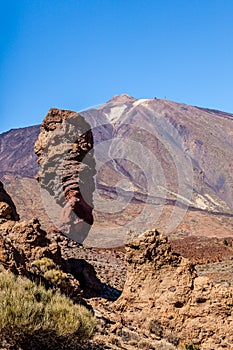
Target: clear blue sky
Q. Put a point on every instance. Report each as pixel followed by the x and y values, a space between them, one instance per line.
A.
pixel 72 54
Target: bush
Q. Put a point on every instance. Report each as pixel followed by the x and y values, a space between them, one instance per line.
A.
pixel 30 312
pixel 48 270
pixel 192 347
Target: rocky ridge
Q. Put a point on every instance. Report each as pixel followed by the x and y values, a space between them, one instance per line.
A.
pixel 16 152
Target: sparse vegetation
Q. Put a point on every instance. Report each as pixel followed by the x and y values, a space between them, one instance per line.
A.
pixel 192 347
pixel 44 264
pixel 30 312
pixel 48 269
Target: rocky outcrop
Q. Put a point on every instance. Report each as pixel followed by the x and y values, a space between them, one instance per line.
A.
pixel 165 298
pixel 22 243
pixel 64 150
pixel 27 250
pixel 7 207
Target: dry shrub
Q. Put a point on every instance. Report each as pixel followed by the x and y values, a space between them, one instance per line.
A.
pixel 31 313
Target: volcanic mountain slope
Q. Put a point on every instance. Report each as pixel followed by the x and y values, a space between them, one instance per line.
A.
pixel 16 151
pixel 164 133
pixel 158 164
pixel 167 157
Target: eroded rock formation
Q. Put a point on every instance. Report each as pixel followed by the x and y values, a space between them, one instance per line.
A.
pixel 7 207
pixel 65 155
pixel 25 247
pixel 23 242
pixel 164 297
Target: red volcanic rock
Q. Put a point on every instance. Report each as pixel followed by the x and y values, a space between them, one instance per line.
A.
pixel 64 150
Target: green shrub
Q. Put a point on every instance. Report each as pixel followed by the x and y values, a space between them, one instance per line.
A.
pixel 192 347
pixel 44 264
pixel 29 311
pixel 50 272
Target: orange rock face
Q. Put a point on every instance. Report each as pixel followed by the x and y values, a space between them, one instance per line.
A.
pixel 165 297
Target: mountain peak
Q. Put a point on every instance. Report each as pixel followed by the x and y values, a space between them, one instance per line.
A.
pixel 122 98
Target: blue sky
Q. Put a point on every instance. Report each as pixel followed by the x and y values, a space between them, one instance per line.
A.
pixel 72 54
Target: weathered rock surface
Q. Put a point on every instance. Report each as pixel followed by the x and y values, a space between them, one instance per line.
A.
pixel 24 245
pixel 65 155
pixel 165 298
pixel 23 242
pixel 7 207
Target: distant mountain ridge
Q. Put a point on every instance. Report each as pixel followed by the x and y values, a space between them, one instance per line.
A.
pixel 17 151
